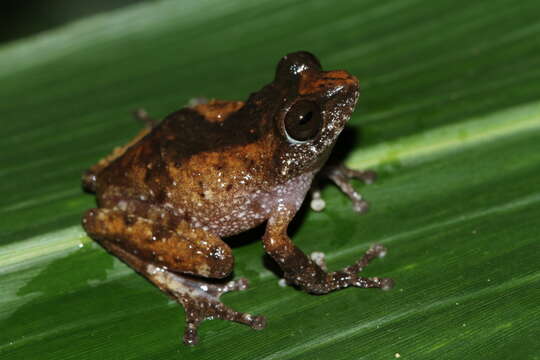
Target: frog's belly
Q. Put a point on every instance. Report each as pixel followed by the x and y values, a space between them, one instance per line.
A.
pixel 234 216
pixel 241 213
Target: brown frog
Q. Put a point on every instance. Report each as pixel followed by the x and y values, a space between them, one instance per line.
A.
pixel 218 168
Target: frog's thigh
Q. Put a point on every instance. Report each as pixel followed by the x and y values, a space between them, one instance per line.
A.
pixel 184 249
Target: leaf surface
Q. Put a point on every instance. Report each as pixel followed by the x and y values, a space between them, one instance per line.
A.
pixel 449 115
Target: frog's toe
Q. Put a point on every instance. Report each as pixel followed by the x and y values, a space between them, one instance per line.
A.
pixel 367 176
pixel 258 322
pixel 141 115
pixel 317 202
pixel 360 206
pixel 376 251
pixel 253 321
pixel 200 309
pixel 191 336
pixel 317 205
pixel 387 284
pixel 373 282
pixel 201 301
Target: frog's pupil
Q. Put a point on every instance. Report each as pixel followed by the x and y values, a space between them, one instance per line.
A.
pixel 303 121
pixel 305 118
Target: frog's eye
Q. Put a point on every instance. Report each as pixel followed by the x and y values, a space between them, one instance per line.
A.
pixel 303 121
pixel 292 65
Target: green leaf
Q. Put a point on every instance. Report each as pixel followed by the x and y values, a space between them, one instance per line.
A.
pixel 449 115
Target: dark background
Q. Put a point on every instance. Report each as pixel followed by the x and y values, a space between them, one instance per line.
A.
pixel 21 18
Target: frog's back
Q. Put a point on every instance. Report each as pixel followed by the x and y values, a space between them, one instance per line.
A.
pixel 193 151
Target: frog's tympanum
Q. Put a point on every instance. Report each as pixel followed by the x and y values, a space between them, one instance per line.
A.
pixel 218 168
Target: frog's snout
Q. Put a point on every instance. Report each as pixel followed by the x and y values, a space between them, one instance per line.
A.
pixel 329 83
pixel 340 80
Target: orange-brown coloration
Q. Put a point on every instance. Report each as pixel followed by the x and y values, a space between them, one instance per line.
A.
pixel 330 80
pixel 217 110
pixel 182 249
pixel 89 177
pixel 218 169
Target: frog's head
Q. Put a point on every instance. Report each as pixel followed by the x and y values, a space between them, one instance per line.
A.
pixel 315 106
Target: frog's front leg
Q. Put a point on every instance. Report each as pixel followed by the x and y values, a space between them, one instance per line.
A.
pixel 160 253
pixel 304 272
pixel 341 176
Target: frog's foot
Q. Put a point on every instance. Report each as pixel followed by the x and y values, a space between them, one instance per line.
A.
pixel 318 257
pixel 309 274
pixel 142 115
pixel 318 281
pixel 160 254
pixel 197 101
pixel 201 300
pixel 350 274
pixel 321 282
pixel 341 176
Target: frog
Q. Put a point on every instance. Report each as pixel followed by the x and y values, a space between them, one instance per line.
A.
pixel 168 198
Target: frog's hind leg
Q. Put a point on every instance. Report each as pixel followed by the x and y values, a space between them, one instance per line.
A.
pixel 159 254
pixel 201 300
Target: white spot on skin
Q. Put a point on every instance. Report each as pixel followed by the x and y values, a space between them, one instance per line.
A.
pixel 122 205
pixel 208 194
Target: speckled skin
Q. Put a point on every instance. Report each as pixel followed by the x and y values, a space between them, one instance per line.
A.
pixel 217 169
